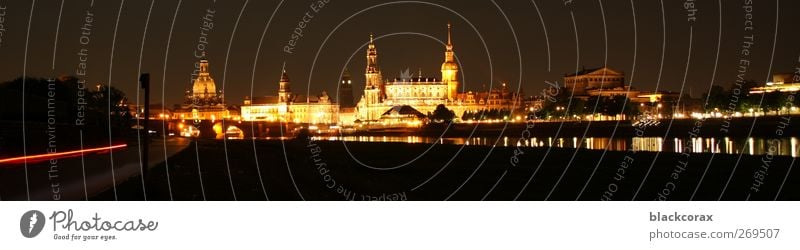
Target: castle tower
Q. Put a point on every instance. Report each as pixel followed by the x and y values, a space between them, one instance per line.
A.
pixel 346 91
pixel 374 79
pixel 284 90
pixel 450 69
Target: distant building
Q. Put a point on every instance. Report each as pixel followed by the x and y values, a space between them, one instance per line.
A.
pixel 345 98
pixel 420 91
pixel 606 82
pixel 203 101
pixel 424 93
pixel 289 107
pixel 403 114
pixel 626 91
pixel 780 83
pixel 593 81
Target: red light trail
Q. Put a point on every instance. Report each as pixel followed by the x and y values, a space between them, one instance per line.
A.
pixel 33 158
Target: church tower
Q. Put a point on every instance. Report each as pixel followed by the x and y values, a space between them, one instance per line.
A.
pixel 374 79
pixel 371 107
pixel 346 91
pixel 450 69
pixel 284 91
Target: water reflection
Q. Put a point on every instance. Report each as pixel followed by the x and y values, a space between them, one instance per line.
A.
pixel 726 145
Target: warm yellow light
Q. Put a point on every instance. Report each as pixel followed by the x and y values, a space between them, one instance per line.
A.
pixel 218 130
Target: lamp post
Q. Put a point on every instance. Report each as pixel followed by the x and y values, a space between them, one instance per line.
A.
pixel 144 81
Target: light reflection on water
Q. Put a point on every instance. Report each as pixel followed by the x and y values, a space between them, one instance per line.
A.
pixel 726 145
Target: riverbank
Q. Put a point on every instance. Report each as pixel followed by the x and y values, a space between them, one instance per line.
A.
pixel 324 170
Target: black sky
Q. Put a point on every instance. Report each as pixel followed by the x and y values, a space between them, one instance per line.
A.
pixel 399 49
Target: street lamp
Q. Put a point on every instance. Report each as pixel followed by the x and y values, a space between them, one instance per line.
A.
pixel 144 80
pixel 658 110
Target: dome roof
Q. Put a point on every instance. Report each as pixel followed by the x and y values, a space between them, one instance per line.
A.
pixel 449 66
pixel 204 85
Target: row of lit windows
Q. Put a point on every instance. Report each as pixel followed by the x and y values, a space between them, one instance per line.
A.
pixel 594 79
pixel 417 92
pixel 416 88
pixel 424 94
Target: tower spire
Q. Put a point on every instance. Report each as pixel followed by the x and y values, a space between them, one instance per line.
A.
pixel 449 43
pixel 448 54
pixel 450 68
pixel 372 56
pixel 284 75
pixel 203 63
pixel 284 86
pixel 374 88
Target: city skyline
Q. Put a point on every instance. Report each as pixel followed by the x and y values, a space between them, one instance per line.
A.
pixel 401 49
pixel 450 100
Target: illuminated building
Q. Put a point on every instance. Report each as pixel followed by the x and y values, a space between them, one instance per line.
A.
pixel 203 101
pixel 626 91
pixel 417 91
pixel 290 107
pixel 780 83
pixel 402 114
pixel 450 69
pixel 605 82
pixel 425 93
pixel 594 81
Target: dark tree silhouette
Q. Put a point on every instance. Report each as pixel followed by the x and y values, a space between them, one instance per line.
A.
pixel 442 114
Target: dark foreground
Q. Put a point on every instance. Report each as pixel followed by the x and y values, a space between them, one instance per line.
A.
pixel 321 170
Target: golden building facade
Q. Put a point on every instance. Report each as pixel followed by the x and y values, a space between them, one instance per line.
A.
pixel 291 108
pixel 203 101
pixel 416 91
pixel 781 82
pixel 425 93
pixel 586 80
pixel 450 68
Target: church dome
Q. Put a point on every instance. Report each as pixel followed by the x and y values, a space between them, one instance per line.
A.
pixel 204 85
pixel 449 66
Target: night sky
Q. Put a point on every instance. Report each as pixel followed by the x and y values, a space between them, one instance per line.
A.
pixel 495 41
